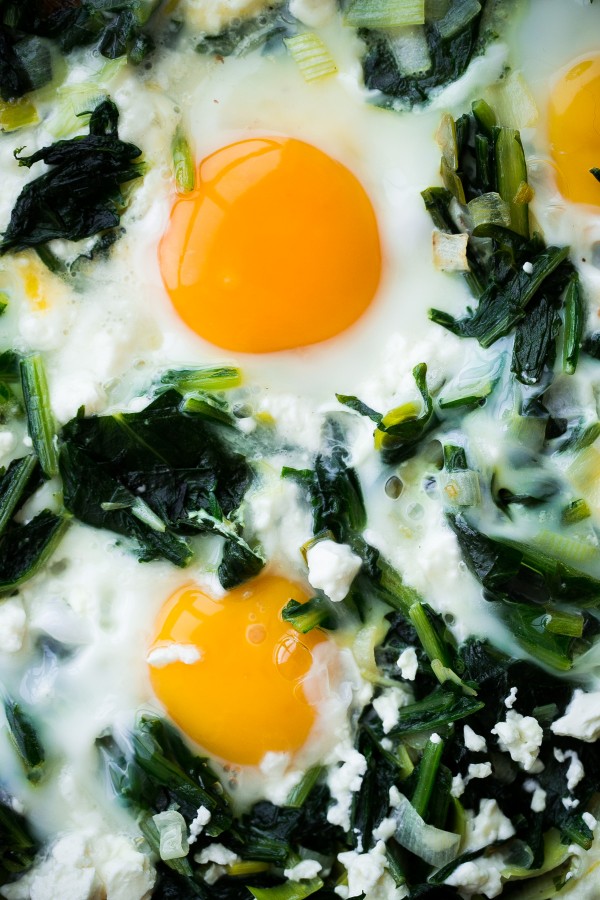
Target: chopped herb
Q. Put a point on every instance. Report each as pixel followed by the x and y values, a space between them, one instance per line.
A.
pixel 25 739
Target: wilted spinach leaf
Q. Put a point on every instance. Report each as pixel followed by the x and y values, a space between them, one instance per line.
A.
pixel 79 195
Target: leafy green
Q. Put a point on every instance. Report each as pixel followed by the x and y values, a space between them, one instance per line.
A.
pixel 25 739
pixel 450 55
pixel 116 28
pixel 399 431
pixel 25 63
pixel 244 35
pixel 79 196
pixel 25 548
pixel 18 846
pixel 158 476
pixel 306 616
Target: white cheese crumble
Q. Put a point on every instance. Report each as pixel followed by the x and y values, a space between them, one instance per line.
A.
pixel 435 738
pixel 197 825
pixel 474 742
pixel 457 788
pixel 332 568
pixel 216 853
pixel 313 13
pixel 173 653
pixel 480 876
pixel 582 717
pixel 83 867
pixel 538 795
pixel 387 706
pixel 307 868
pixel 487 827
pixel 7 443
pixel 510 701
pixel 478 770
pixel 521 737
pixel 575 772
pixel 589 820
pixel 408 664
pixel 528 268
pixel 367 874
pixel 570 802
pixel 343 781
pixel 13 625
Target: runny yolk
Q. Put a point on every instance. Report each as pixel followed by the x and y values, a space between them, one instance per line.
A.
pixel 243 696
pixel 574 131
pixel 278 247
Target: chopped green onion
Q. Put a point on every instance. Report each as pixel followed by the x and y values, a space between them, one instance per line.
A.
pixel 563 547
pixel 573 326
pixel 445 137
pixel 432 845
pixel 432 645
pixel 291 890
pixel 385 13
pixel 17 114
pixel 511 173
pixel 575 512
pixel 452 182
pixel 245 867
pixel 410 49
pixel 72 103
pixel 298 794
pixel 489 209
pixel 40 420
pixel 13 485
pixel 146 515
pixel 204 378
pixel 562 622
pixel 311 55
pixel 207 406
pixel 485 115
pixel 306 616
pixel 426 773
pixel 25 739
pixel 460 488
pixel 183 162
pixel 172 831
pixel 460 14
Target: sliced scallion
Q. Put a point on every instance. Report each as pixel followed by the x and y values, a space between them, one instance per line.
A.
pixel 40 419
pixel 385 13
pixel 298 795
pixel 428 767
pixel 573 326
pixel 183 162
pixel 562 622
pixel 433 845
pixel 17 114
pixel 575 512
pixel 311 55
pixel 459 15
pixel 12 487
pixel 489 209
pixel 291 890
pixel 25 739
pixel 511 173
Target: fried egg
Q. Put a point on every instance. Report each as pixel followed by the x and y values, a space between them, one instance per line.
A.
pixel 303 255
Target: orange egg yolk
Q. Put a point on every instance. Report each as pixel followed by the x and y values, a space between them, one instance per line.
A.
pixel 574 131
pixel 278 247
pixel 243 696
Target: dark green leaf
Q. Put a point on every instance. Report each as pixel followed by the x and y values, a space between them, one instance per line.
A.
pixel 25 739
pixel 25 548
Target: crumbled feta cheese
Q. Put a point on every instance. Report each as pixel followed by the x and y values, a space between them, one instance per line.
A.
pixel 458 786
pixel 343 781
pixel 435 738
pixel 528 268
pixel 570 802
pixel 213 16
pixel 582 717
pixel 478 770
pixel 487 827
pixel 521 737
pixel 13 624
pixel 7 443
pixel 308 868
pixel 538 795
pixel 387 706
pixel 197 825
pixel 216 853
pixel 385 829
pixel 481 876
pixel 173 653
pixel 332 568
pixel 589 820
pixel 364 869
pixel 474 742
pixel 81 867
pixel 575 772
pixel 408 664
pixel 510 701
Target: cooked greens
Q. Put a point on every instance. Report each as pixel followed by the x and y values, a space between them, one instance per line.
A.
pixel 80 194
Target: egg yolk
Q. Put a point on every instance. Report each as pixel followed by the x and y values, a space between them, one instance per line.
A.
pixel 242 695
pixel 278 247
pixel 574 131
